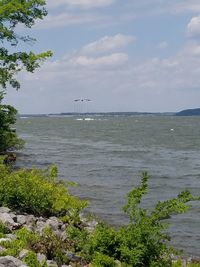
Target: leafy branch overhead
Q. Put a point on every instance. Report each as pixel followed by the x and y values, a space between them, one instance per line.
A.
pixel 12 14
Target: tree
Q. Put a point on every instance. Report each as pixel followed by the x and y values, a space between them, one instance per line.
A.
pixel 8 137
pixel 13 13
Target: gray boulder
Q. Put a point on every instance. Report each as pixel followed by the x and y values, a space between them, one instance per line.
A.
pixel 21 219
pixel 41 258
pixel 9 261
pixel 4 210
pixel 54 223
pixel 11 236
pixel 23 253
pixel 6 218
pixel 52 264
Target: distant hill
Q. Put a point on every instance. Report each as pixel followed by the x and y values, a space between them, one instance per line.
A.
pixel 189 112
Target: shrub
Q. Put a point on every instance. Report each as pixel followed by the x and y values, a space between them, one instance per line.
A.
pixel 77 238
pixel 37 192
pixel 8 138
pixel 31 260
pixel 180 263
pixel 102 260
pixel 51 245
pixel 22 241
pixel 4 228
pixel 144 241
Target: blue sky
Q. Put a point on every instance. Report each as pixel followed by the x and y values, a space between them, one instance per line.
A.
pixel 131 55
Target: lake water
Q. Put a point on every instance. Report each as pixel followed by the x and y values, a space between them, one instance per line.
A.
pixel 106 154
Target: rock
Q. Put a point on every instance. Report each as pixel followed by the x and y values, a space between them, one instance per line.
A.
pixel 54 223
pixel 21 219
pixel 7 219
pixel 15 226
pixel 9 261
pixel 23 253
pixel 40 225
pixel 52 264
pixel 63 227
pixel 41 219
pixel 30 223
pixel 11 236
pixel 30 220
pixel 41 258
pixel 63 236
pixel 13 216
pixel 72 257
pixel 63 266
pixel 4 210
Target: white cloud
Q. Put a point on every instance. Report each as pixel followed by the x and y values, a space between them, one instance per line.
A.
pixel 113 60
pixel 163 45
pixel 193 27
pixel 185 6
pixel 66 19
pixel 143 8
pixel 196 50
pixel 79 3
pixel 68 12
pixel 152 85
pixel 108 43
pixel 191 49
pixel 83 58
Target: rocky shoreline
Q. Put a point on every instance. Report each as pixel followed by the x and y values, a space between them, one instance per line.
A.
pixel 15 221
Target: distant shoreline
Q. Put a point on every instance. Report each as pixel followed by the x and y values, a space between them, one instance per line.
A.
pixel 100 114
pixel 186 112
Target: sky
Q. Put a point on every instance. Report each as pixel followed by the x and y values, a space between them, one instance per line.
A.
pixel 123 55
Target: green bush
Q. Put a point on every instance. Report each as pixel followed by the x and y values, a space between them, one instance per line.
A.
pixel 77 238
pixel 23 240
pixel 31 260
pixel 8 138
pixel 51 245
pixel 144 241
pixel 102 260
pixel 181 264
pixel 4 228
pixel 37 192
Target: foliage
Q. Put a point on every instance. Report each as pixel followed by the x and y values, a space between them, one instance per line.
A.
pixel 22 241
pixel 31 260
pixel 8 138
pixel 24 237
pixel 102 260
pixel 77 237
pixel 37 192
pixel 48 243
pixel 52 246
pixel 4 229
pixel 181 264
pixel 144 241
pixel 12 14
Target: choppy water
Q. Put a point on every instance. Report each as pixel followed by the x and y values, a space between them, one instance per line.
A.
pixel 105 156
